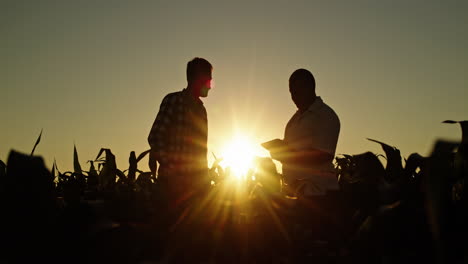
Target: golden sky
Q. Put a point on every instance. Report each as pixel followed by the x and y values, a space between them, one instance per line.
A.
pixel 93 73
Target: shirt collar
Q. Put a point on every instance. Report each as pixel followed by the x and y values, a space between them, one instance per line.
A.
pixel 318 102
pixel 186 93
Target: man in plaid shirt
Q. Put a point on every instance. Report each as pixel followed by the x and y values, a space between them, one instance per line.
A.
pixel 178 137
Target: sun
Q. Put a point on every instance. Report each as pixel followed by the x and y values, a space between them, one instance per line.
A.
pixel 238 155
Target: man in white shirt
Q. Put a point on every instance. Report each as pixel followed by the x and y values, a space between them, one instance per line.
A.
pixel 311 136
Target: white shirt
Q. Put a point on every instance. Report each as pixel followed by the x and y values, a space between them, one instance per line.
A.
pixel 316 128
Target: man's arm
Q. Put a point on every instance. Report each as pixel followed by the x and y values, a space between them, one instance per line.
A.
pixel 158 135
pixel 310 156
pixel 320 144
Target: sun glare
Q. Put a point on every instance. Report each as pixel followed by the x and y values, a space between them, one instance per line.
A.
pixel 238 155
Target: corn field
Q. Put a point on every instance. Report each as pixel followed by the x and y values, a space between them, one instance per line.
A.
pixel 411 211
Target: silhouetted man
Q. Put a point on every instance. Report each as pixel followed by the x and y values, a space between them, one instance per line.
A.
pixel 311 136
pixel 178 138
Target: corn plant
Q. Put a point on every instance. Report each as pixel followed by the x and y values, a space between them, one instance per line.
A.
pixel 359 177
pixel 460 164
pixel 266 175
pixel 72 185
pixel 216 172
pixel 366 181
pixel 461 156
pixel 442 198
pixel 109 172
pixel 92 179
pixel 133 166
pixel 394 168
pixel 371 188
pixel 136 181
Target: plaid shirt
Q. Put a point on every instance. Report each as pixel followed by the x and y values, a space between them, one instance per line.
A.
pixel 179 135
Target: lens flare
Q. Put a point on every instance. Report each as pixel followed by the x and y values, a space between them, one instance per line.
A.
pixel 238 155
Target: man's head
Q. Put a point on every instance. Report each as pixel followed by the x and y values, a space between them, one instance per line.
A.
pixel 199 76
pixel 302 88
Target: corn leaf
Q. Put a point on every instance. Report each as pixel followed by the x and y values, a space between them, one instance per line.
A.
pixel 394 168
pixel 56 167
pixel 449 122
pixel 142 155
pixel 464 128
pixel 76 162
pixel 37 142
pixel 53 169
pixel 132 160
pixel 92 180
pixel 216 162
pixel 2 170
pixel 144 179
pixel 92 169
pixel 120 174
pixel 100 153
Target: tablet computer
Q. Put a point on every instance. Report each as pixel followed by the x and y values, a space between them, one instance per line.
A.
pixel 275 145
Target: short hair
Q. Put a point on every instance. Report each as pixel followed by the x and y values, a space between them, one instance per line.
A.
pixel 196 67
pixel 303 75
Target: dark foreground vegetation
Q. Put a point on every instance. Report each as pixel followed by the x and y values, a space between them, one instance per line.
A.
pixel 411 211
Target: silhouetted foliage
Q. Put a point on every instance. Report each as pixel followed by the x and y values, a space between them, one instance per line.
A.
pixel 37 142
pixel 412 211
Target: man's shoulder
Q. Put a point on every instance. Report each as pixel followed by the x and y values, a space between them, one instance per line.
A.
pixel 327 112
pixel 175 94
pixel 173 97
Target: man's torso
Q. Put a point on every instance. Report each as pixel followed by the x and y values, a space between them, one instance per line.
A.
pixel 186 137
pixel 317 128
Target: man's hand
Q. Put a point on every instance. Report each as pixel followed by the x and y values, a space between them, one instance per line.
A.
pixel 279 150
pixel 152 162
pixel 312 156
pixel 281 156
